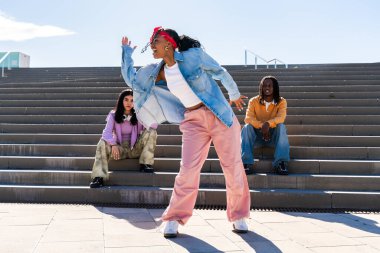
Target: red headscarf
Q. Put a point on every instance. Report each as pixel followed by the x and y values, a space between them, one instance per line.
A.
pixel 160 31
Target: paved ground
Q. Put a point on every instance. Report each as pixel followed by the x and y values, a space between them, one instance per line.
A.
pixel 85 228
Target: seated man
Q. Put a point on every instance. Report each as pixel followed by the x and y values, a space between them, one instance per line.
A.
pixel 264 120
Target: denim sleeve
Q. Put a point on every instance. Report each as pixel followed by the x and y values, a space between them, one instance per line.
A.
pixel 127 69
pixel 219 73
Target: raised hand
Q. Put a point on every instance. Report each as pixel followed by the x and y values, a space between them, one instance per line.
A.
pixel 125 41
pixel 239 102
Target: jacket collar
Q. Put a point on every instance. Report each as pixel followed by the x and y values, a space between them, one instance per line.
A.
pixel 177 57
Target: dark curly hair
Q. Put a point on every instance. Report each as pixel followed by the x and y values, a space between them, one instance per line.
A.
pixel 276 89
pixel 119 108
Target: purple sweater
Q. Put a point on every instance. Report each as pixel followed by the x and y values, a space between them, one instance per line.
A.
pixel 112 131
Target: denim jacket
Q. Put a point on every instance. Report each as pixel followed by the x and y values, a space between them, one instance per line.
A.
pixel 154 103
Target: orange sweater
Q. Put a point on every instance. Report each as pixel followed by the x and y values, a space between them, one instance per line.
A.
pixel 257 115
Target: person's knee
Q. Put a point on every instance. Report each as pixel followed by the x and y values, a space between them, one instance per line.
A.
pixel 247 131
pixel 248 127
pixel 281 128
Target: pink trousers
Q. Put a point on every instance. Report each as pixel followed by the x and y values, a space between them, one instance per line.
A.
pixel 199 128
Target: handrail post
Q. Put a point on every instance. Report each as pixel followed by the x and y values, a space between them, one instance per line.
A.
pixel 246 51
pixel 9 63
pixel 245 57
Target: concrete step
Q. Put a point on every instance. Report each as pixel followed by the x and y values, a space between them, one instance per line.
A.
pixel 284 78
pixel 336 130
pixel 324 95
pixel 170 151
pixel 113 96
pixel 63 89
pixel 294 140
pixel 100 119
pixel 249 76
pixel 263 198
pixel 207 180
pixel 314 83
pixel 341 110
pixel 111 103
pixel 114 85
pixel 335 88
pixel 299 166
pixel 233 69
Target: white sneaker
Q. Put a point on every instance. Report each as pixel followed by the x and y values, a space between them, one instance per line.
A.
pixel 240 226
pixel 171 229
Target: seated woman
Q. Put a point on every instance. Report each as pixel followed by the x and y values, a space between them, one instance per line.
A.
pixel 123 137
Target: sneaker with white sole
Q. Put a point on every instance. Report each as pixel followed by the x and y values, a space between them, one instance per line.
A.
pixel 171 229
pixel 240 226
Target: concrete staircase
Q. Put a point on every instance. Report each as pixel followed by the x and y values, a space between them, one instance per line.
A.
pixel 52 118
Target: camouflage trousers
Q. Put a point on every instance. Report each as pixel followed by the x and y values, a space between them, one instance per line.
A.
pixel 143 149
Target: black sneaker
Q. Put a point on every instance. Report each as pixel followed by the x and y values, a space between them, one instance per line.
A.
pixel 282 168
pixel 147 168
pixel 96 182
pixel 248 169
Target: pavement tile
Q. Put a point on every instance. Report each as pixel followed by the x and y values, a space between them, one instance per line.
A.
pixel 26 246
pixel 273 247
pixel 211 214
pixel 37 228
pixel 74 230
pixel 296 227
pixel 328 217
pixel 198 231
pixel 20 238
pixel 151 249
pixel 350 230
pixel 72 247
pixel 123 210
pixel 197 221
pixel 373 242
pixel 188 243
pixel 77 214
pixel 126 228
pixel 257 232
pixel 131 217
pixel 27 220
pixel 369 219
pixel 135 240
pixel 323 240
pixel 345 249
pixel 271 216
pixel 156 214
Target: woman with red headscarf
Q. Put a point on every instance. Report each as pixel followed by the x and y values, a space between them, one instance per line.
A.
pixel 182 89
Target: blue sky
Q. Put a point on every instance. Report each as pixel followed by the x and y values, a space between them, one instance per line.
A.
pixel 58 33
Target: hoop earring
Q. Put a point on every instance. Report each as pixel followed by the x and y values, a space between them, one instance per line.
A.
pixel 166 48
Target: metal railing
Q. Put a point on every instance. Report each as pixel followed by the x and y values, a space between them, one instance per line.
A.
pixel 2 62
pixel 275 60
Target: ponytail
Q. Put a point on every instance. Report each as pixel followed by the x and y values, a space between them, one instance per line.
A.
pixel 184 42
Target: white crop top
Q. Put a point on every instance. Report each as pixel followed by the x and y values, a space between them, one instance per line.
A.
pixel 179 87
